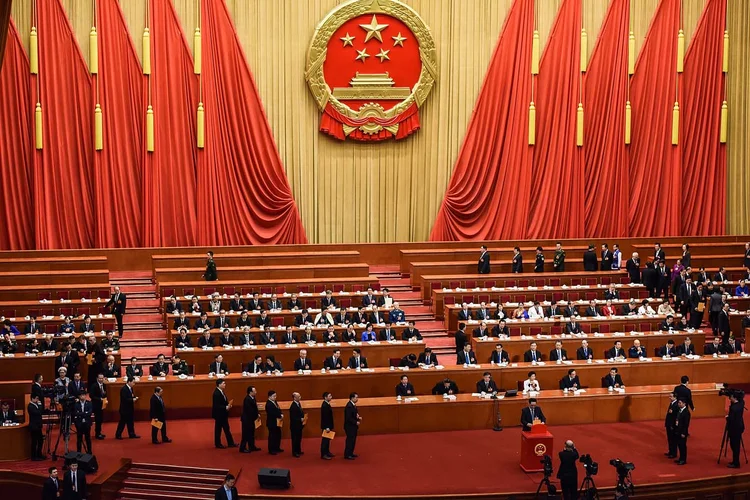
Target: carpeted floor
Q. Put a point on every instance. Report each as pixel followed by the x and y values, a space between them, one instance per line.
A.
pixel 446 462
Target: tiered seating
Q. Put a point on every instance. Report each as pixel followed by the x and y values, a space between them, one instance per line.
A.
pixel 267 272
pixel 268 286
pixel 224 260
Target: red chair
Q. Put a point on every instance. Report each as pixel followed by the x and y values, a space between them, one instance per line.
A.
pixel 229 290
pixel 44 296
pixel 572 296
pixel 33 313
pixel 104 294
pixel 436 285
pixel 590 295
pixel 540 297
pixel 311 304
pixel 576 281
pixel 454 284
pixel 484 298
pixel 375 286
pixel 504 298
pixel 539 282
pixel 209 290
pixel 108 325
pixel 625 294
pixel 347 303
pixel 304 288
pixel 449 300
pixel 535 330
pixel 280 290
pixel 338 287
pixel 591 281
pixel 83 311
pixel 557 296
pixel 585 327
pixel 604 328
pixel 168 292
pixel 318 288
pixel 606 280
pixel 521 298
pixel 644 327
pixel 63 294
pixel 467 298
pixel 625 279
pixel 510 283
pixel 523 283
pixel 50 328
pixel 556 330
pixel 358 288
pixel 394 362
pixel 490 283
pixel 103 310
pixel 189 291
pixel 471 284
pixel 642 294
pixel 554 282
pixel 629 327
pixel 245 291
pixel 47 312
pixel 277 321
pixel 84 294
pixel 66 311
pixel 515 331
pixel 266 289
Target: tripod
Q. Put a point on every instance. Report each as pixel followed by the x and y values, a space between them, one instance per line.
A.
pixel 65 425
pixel 624 487
pixel 725 445
pixel 588 491
pixel 551 489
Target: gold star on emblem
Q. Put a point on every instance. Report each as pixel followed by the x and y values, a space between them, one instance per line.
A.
pixel 373 29
pixel 398 39
pixel 383 55
pixel 362 54
pixel 347 39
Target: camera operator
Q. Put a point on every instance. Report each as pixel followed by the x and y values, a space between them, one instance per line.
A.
pixel 735 426
pixel 567 473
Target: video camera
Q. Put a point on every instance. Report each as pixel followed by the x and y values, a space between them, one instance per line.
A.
pixel 729 392
pixel 622 468
pixel 546 461
pixel 591 467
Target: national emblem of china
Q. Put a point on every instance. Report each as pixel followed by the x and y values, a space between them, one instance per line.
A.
pixel 370 66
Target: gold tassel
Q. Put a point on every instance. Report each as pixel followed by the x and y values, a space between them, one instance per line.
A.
pixel 631 53
pixel 98 135
pixel 680 51
pixel 197 51
pixel 628 121
pixel 535 53
pixel 201 122
pixel 532 124
pixel 579 125
pixel 33 52
pixel 146 52
pixel 150 129
pixel 676 124
pixel 584 50
pixel 724 123
pixel 725 53
pixel 93 52
pixel 38 126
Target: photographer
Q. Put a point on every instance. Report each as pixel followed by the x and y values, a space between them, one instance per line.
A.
pixel 735 427
pixel 567 473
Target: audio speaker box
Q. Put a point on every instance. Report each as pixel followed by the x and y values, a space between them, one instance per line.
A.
pixel 274 478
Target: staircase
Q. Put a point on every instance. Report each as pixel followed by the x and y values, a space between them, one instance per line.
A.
pixel 432 331
pixel 158 481
pixel 144 334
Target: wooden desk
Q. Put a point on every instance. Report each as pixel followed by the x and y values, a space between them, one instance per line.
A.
pixel 224 260
pixel 191 398
pixel 674 250
pixel 20 279
pixel 471 281
pixel 516 346
pixel 52 324
pixel 557 325
pixel 35 308
pixel 378 355
pixel 29 292
pixel 22 367
pixel 279 286
pixel 16 439
pixel 279 331
pixel 280 271
pixel 22 339
pixel 446 296
pixel 505 253
pixel 55 263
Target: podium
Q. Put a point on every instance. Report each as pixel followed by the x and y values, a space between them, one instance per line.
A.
pixel 534 445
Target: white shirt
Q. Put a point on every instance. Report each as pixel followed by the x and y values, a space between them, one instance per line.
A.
pixel 531 385
pixel 536 312
pixel 646 310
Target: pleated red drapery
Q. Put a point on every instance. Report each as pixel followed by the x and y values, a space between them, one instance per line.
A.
pixel 16 200
pixel 243 192
pixel 169 172
pixel 488 194
pixel 119 85
pixel 4 27
pixel 703 203
pixel 557 191
pixel 64 201
pixel 654 164
pixel 605 175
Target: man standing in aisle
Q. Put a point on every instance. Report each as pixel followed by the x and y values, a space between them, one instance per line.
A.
pixel 127 410
pixel 117 304
pixel 682 430
pixel 296 424
pixel 326 425
pixel 274 421
pixel 220 413
pixel 558 263
pixel 669 423
pixel 351 426
pixel 74 483
pixel 250 415
pixel 735 427
pixel 483 266
pixel 158 412
pixel 34 410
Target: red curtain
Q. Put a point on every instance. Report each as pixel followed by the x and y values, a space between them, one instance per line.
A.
pixel 169 190
pixel 488 194
pixel 4 27
pixel 703 207
pixel 605 184
pixel 119 85
pixel 654 168
pixel 16 200
pixel 557 187
pixel 239 169
pixel 64 201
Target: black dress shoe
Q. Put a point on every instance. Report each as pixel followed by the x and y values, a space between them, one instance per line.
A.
pixel 331 455
pixel 326 457
pixel 100 436
pixel 671 456
pixel 118 437
pixel 301 452
pixel 232 445
pixel 166 440
pixel 733 466
pixel 272 453
pixel 244 451
pixel 134 436
pixel 348 458
pixel 155 442
pixel 220 446
pixel 354 455
pixel 254 448
pixel 280 450
pixel 680 462
pixel 296 455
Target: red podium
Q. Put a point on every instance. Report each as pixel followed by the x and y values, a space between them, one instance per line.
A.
pixel 534 445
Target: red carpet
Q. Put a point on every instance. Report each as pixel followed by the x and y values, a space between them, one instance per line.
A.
pixel 425 463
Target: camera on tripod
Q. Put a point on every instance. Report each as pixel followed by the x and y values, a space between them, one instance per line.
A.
pixel 625 486
pixel 546 462
pixel 591 467
pixel 729 392
pixel 622 468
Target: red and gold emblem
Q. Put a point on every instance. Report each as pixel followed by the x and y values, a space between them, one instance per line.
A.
pixel 370 66
pixel 540 449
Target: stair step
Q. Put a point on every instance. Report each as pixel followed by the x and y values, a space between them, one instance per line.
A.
pixel 150 317
pixel 184 469
pixel 135 494
pixel 174 484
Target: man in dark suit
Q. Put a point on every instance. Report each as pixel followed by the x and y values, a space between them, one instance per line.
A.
pixel 6 415
pixel 539 260
pixel 722 323
pixel 404 388
pixel 357 361
pixel 411 333
pixel 274 420
pixel 34 411
pixel 669 426
pixel 682 430
pixel 499 355
pixel 570 381
pixel 334 362
pixel 220 413
pixel 127 410
pixel 98 392
pixel 460 337
pixel 633 266
pixel 296 424
pixel 32 327
pixel 486 385
pixel 682 391
pixel 467 356
pixel 616 351
pixel 667 350
pixel 613 380
pixel 558 353
pixel 686 348
pixel 531 412
pixel 607 258
pixel 76 386
pixel 532 354
pixel 158 411
pixel 118 304
pixel 82 410
pixel 584 352
pixel 590 262
pixel 227 489
pixel 483 266
pixel 735 427
pixel 427 357
pixel 445 386
pixel 74 483
pixel 567 473
pixel 219 367
pixel 351 426
pixel 160 368
pixel 714 347
pixel 517 261
pixel 134 369
pixel 237 304
pixel 326 425
pixel 328 302
pixel 465 313
pixel 659 254
pixel 51 487
pixel 302 362
pixel 249 417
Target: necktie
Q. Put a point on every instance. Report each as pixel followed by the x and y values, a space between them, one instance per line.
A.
pixel 357 362
pixel 532 414
pixel 427 360
pixel 75 483
pixel 585 352
pixel 559 354
pixel 533 355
